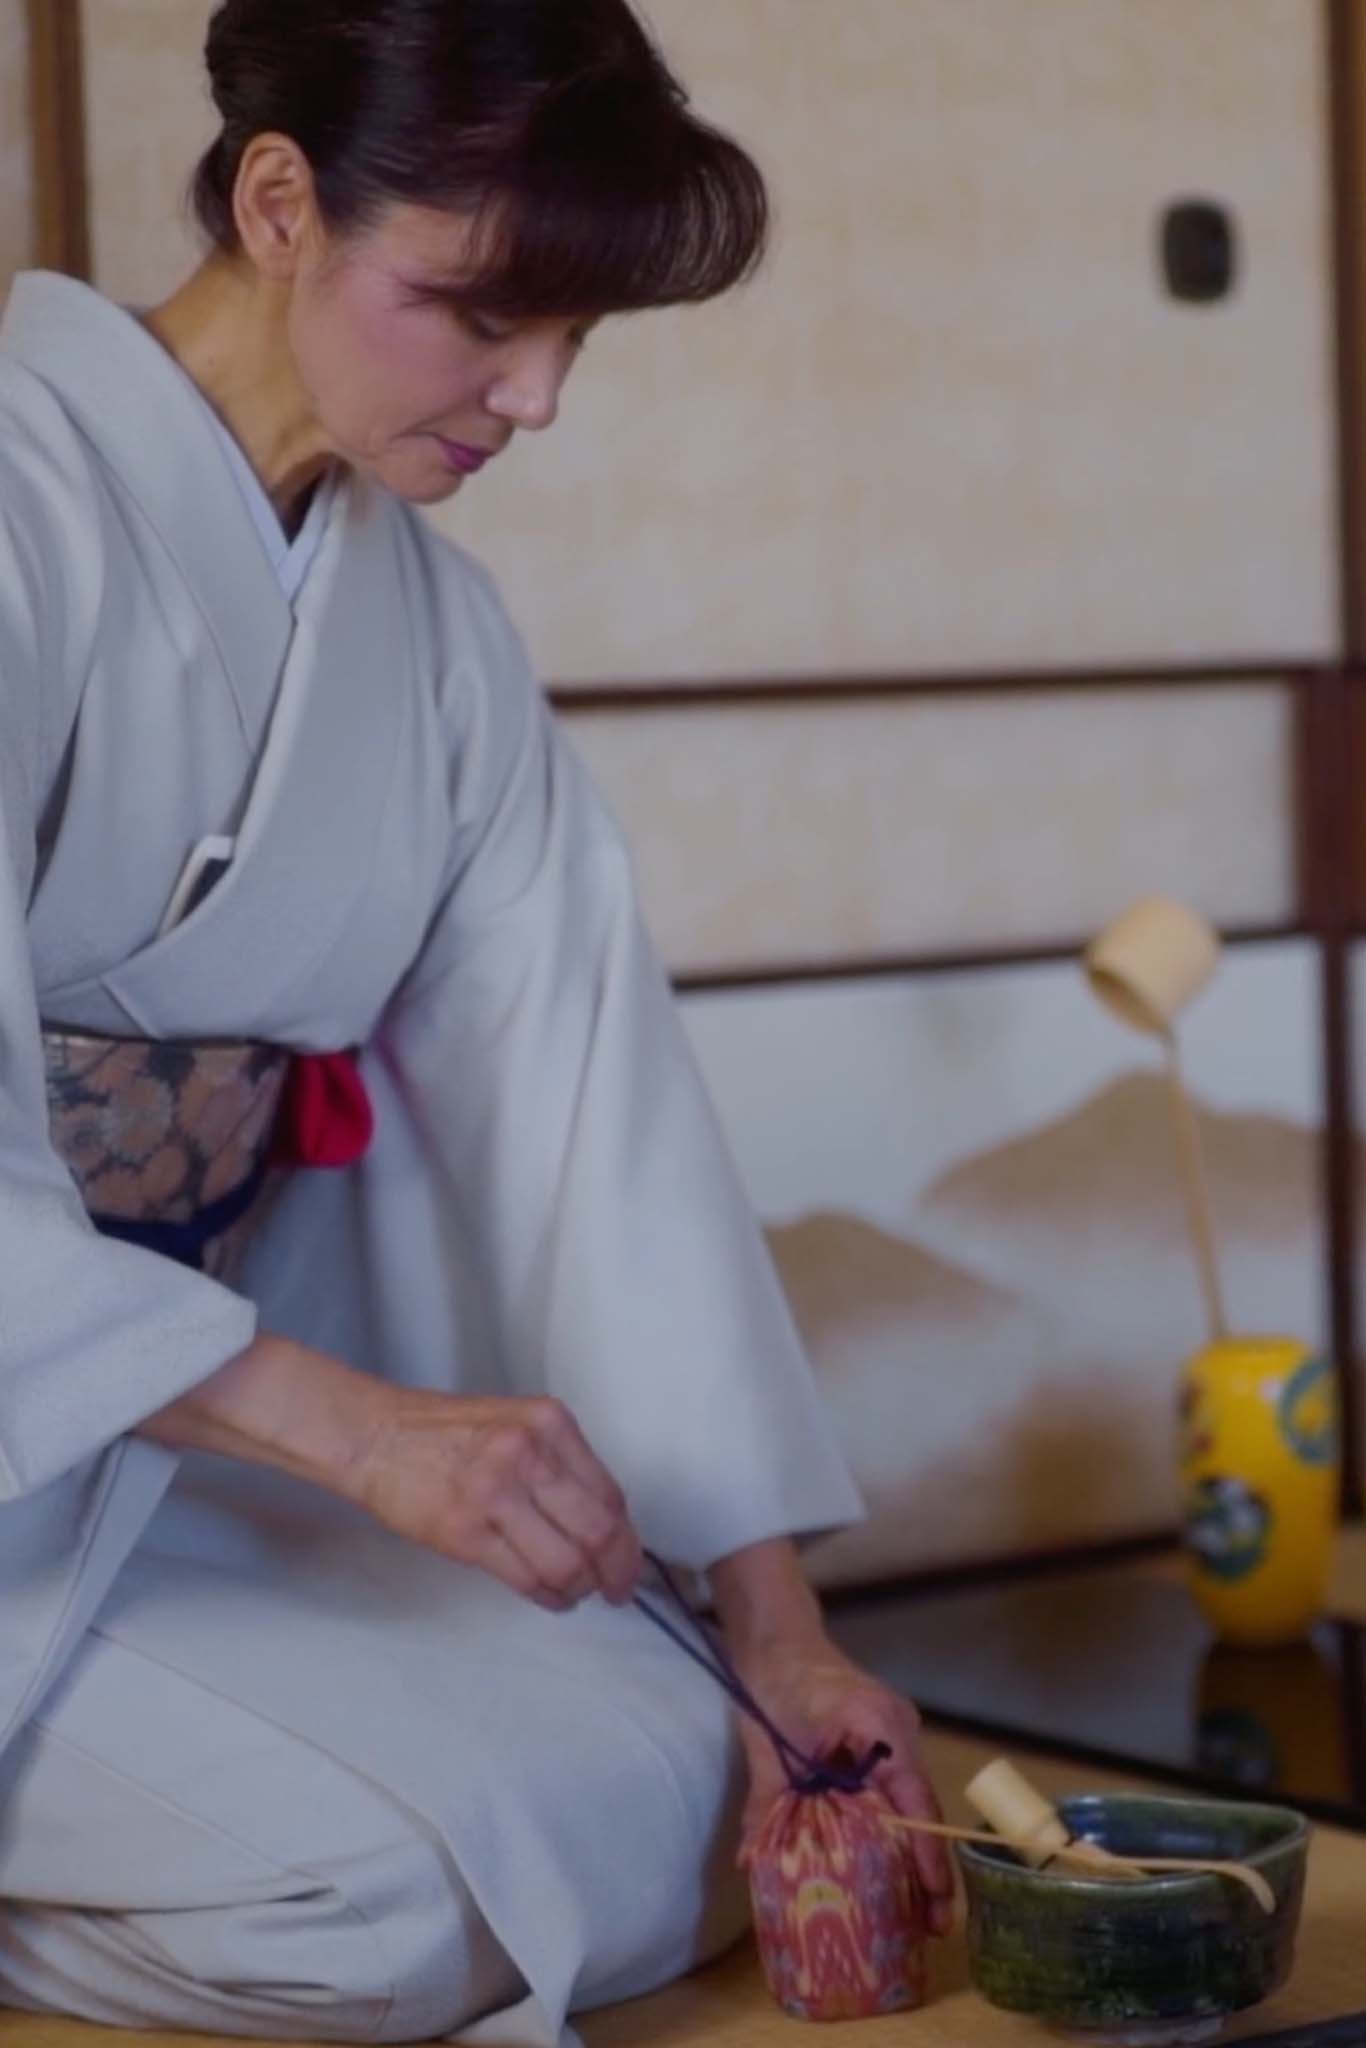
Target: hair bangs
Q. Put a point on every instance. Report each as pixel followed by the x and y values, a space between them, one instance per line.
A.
pixel 607 217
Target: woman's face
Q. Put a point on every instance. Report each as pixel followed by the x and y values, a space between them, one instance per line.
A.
pixel 402 383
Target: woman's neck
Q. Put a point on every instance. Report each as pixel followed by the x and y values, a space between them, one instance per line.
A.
pixel 226 329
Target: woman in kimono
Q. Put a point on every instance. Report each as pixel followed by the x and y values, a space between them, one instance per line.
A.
pixel 325 1709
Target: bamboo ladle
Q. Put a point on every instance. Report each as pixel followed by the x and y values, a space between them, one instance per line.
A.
pixel 1146 967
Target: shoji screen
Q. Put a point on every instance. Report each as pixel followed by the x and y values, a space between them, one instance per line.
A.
pixel 957 431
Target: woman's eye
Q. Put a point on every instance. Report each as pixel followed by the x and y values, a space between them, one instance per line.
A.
pixel 482 329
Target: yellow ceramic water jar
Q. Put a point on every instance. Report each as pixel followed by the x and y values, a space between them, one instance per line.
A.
pixel 1259 1485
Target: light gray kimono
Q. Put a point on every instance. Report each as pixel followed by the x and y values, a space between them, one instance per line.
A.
pixel 424 870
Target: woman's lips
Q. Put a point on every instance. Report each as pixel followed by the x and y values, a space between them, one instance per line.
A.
pixel 466 461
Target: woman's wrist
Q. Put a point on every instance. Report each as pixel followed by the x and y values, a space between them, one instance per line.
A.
pixel 281 1404
pixel 764 1600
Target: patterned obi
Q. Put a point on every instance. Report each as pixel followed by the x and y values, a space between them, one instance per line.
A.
pixel 168 1144
pixel 171 1144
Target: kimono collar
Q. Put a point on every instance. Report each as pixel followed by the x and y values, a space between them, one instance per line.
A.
pixel 156 433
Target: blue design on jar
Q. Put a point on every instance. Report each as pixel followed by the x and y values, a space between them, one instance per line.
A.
pixel 1307 1413
pixel 1227 1528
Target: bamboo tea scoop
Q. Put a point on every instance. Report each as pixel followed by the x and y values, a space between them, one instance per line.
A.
pixel 1021 1819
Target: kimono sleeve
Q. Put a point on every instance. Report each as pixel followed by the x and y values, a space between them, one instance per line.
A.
pixel 538 1047
pixel 94 1336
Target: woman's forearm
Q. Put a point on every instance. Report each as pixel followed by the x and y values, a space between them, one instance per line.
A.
pixel 283 1405
pixel 506 1485
pixel 764 1599
pixel 280 1404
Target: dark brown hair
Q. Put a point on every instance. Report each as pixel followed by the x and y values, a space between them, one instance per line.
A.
pixel 556 124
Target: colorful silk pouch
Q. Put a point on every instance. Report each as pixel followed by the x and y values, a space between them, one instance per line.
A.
pixel 838 1911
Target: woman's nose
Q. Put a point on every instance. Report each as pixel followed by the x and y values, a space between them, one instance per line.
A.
pixel 527 391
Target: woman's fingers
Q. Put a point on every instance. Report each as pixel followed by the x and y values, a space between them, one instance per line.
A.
pixel 606 1542
pixel 905 1781
pixel 454 1473
pixel 566 1448
pixel 883 1716
pixel 496 1556
pixel 572 1541
pixel 576 1491
pixel 561 1566
pixel 911 1793
pixel 767 1783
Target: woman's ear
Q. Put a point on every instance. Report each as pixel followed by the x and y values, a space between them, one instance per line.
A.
pixel 275 205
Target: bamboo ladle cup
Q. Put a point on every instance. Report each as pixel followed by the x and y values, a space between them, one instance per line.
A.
pixel 1146 967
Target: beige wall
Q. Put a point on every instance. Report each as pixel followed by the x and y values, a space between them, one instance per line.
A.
pixel 149 116
pixel 956 424
pixel 16 181
pixel 804 833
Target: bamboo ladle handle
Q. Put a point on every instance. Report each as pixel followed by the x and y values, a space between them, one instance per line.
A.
pixel 1199 1209
pixel 1146 966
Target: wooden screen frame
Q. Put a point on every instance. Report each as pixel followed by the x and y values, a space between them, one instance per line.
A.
pixel 61 177
pixel 1330 767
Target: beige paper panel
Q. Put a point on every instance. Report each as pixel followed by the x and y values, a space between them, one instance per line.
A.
pixel 16 170
pixel 799 832
pixel 149 118
pixel 956 424
pixel 971 1191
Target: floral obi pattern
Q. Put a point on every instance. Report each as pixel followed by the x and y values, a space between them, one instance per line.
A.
pixel 169 1144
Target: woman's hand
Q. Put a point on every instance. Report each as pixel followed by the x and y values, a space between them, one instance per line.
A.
pixel 777 1637
pixel 508 1486
pixel 824 1703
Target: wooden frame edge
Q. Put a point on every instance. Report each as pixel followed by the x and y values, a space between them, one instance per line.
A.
pixel 1331 755
pixel 61 177
pixel 1100 1553
pixel 742 976
pixel 1347 106
pixel 1324 804
pixel 760 692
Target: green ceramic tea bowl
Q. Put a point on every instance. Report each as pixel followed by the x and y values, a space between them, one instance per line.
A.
pixel 1165 1960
